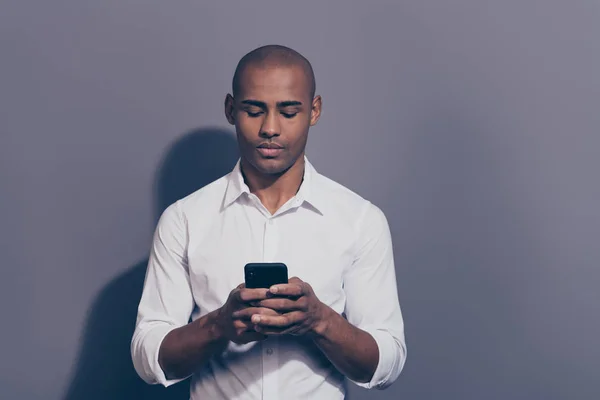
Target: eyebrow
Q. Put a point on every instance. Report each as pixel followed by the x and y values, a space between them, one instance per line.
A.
pixel 281 104
pixel 289 103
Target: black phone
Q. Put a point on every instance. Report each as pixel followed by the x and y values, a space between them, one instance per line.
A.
pixel 264 275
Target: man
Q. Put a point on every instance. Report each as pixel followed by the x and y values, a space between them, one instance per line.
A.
pixel 339 314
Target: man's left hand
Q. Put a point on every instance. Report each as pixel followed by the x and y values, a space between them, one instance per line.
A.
pixel 301 311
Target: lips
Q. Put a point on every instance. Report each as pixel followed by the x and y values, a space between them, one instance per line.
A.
pixel 269 146
pixel 269 150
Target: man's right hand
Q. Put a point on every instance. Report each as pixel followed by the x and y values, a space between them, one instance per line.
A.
pixel 241 330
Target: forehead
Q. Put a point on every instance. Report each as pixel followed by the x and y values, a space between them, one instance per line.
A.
pixel 274 83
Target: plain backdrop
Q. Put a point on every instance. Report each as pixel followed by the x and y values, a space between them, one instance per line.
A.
pixel 473 124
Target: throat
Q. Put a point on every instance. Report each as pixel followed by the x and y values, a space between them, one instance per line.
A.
pixel 275 192
pixel 273 199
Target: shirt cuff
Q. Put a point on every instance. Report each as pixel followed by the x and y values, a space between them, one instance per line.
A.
pixel 388 357
pixel 153 340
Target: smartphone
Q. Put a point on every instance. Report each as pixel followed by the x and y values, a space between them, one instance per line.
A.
pixel 264 275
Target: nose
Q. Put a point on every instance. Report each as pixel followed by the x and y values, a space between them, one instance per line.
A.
pixel 270 126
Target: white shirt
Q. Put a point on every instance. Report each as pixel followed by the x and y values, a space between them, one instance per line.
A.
pixel 327 236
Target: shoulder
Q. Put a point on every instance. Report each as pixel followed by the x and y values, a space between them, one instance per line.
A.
pixel 210 195
pixel 353 214
pixel 350 209
pixel 200 204
pixel 341 200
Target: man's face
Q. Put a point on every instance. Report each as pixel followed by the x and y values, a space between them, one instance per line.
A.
pixel 272 115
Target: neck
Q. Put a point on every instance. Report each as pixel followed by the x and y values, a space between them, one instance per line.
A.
pixel 274 191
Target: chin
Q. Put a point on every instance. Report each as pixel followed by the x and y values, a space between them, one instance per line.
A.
pixel 272 166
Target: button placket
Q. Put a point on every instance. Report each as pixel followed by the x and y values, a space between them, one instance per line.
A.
pixel 270 362
pixel 270 241
pixel 270 359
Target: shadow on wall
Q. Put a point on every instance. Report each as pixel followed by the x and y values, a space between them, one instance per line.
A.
pixel 104 368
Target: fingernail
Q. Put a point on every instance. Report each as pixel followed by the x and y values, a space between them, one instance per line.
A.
pixel 256 318
pixel 274 289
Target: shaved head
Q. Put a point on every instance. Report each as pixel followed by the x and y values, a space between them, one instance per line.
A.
pixel 272 108
pixel 273 56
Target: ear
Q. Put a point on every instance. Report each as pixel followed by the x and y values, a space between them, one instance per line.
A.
pixel 315 111
pixel 230 109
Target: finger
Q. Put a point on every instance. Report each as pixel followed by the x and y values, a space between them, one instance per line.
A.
pixel 278 321
pixel 241 325
pixel 250 337
pixel 284 304
pixel 245 313
pixel 290 289
pixel 248 295
pixel 296 330
pixel 270 331
pixel 248 312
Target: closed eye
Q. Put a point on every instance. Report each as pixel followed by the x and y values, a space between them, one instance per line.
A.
pixel 254 115
pixel 289 115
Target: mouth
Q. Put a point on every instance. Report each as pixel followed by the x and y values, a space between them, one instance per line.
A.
pixel 269 150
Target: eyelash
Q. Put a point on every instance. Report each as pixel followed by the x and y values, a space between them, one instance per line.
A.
pixel 254 115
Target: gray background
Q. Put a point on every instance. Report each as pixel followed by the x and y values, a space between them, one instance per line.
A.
pixel 474 125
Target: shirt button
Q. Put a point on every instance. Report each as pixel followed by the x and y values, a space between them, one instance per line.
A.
pixel 269 351
pixel 270 222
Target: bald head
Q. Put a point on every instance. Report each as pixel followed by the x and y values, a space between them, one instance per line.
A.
pixel 273 56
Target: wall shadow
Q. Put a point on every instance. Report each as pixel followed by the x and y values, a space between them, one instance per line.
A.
pixel 104 369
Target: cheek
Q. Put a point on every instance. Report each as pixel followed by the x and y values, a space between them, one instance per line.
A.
pixel 246 129
pixel 297 134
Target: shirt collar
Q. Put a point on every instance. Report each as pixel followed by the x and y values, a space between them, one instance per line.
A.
pixel 308 192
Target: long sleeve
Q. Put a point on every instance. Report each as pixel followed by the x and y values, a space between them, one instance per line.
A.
pixel 167 300
pixel 372 297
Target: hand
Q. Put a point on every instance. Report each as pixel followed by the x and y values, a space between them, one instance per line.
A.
pixel 297 310
pixel 238 328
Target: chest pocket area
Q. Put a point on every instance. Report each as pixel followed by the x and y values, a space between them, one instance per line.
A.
pixel 324 272
pixel 214 272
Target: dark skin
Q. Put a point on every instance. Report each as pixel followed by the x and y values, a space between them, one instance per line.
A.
pixel 187 347
pixel 274 108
